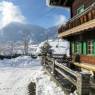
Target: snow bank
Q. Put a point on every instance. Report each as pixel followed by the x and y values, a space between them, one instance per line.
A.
pixel 22 61
pixel 15 81
pixel 47 87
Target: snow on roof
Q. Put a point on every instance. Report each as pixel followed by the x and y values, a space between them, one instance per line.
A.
pixel 58 46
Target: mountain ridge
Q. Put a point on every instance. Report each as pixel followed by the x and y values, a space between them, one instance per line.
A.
pixel 14 32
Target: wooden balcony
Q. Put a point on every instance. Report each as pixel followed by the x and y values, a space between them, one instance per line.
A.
pixel 79 23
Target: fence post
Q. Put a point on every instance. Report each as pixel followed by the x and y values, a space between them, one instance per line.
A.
pixel 83 84
pixel 43 60
pixel 53 67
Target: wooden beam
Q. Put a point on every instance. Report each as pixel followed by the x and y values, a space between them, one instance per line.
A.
pixel 66 69
pixel 86 66
pixel 74 82
pixel 78 29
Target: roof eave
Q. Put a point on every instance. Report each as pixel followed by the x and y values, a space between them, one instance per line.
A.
pixel 60 3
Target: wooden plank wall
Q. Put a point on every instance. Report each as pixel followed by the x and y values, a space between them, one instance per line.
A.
pixel 78 3
pixel 87 59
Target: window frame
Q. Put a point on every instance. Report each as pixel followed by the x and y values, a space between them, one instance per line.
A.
pixel 78 47
pixel 80 8
pixel 90 47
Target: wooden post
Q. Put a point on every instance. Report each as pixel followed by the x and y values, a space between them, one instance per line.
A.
pixel 43 60
pixel 83 84
pixel 53 67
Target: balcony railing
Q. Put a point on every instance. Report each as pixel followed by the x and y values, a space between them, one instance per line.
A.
pixel 87 15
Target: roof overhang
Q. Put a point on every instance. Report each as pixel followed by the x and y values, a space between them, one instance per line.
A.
pixel 62 3
pixel 78 29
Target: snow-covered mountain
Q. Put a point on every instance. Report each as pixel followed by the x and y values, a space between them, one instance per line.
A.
pixel 14 32
pixel 52 32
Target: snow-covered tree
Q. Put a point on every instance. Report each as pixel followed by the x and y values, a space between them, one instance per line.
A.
pixel 45 48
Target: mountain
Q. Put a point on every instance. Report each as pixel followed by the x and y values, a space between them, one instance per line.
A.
pixel 17 31
pixel 52 32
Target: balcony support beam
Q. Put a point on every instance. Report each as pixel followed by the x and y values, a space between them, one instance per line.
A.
pixel 78 29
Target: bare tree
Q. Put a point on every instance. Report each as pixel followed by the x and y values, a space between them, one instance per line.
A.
pixel 26 38
pixel 11 46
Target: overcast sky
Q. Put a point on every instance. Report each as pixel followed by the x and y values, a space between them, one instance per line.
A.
pixel 35 12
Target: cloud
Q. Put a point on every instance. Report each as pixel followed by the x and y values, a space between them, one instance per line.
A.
pixel 10 13
pixel 60 19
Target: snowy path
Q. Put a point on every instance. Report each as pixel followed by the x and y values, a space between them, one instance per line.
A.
pixel 14 81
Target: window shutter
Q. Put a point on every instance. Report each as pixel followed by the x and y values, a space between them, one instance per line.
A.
pixel 75 49
pixel 84 48
pixel 80 47
pixel 94 47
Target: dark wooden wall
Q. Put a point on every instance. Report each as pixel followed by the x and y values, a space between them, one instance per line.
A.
pixel 78 3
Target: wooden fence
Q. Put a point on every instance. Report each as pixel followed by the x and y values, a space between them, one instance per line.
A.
pixel 78 81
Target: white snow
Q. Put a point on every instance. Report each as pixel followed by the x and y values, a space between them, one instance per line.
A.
pixel 47 87
pixel 58 46
pixel 15 80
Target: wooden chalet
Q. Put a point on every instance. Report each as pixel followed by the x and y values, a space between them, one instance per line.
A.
pixel 80 29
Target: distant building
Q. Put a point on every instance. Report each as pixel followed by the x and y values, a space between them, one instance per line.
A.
pixel 58 46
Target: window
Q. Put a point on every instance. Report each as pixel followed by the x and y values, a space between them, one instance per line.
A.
pixel 78 47
pixel 90 47
pixel 80 9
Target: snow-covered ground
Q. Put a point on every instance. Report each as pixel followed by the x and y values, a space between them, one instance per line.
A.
pixel 15 80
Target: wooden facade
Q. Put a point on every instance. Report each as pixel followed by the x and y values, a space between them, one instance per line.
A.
pixel 78 4
pixel 85 17
pixel 80 29
pixel 87 59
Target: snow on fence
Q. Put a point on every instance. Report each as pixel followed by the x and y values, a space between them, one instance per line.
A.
pixel 77 80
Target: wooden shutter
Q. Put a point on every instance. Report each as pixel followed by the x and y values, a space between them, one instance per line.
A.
pixel 80 47
pixel 84 48
pixel 93 47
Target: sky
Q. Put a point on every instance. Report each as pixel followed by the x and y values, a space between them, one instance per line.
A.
pixel 35 12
